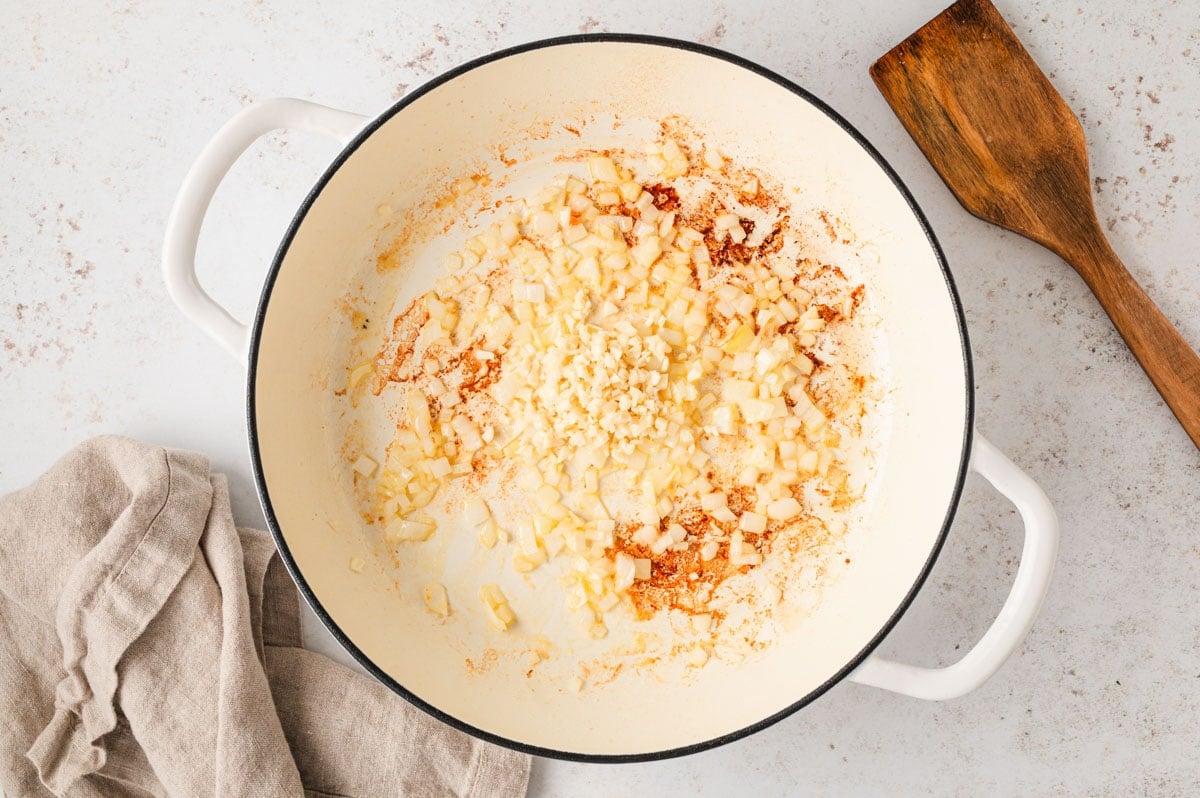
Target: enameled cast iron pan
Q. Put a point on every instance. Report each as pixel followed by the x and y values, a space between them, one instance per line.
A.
pixel 519 101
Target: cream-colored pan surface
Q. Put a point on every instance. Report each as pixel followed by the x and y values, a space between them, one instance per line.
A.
pixel 521 107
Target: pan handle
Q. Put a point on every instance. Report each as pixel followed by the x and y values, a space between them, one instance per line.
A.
pixel 1019 610
pixel 191 204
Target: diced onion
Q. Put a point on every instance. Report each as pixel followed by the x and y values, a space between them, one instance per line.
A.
pixel 365 465
pixel 611 342
pixel 783 509
pixel 436 600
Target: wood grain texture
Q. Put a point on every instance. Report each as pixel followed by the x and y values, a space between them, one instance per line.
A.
pixel 1013 153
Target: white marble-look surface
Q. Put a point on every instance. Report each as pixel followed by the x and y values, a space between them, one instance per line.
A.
pixel 104 104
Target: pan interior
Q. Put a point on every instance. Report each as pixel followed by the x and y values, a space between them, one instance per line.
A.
pixel 513 118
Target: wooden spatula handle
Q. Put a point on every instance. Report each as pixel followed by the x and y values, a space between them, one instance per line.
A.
pixel 1172 365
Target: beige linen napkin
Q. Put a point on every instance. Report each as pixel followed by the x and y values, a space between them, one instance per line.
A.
pixel 148 648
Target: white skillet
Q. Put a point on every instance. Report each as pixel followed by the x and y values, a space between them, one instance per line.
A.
pixel 519 100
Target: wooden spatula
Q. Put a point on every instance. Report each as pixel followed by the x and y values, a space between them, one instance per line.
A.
pixel 1013 153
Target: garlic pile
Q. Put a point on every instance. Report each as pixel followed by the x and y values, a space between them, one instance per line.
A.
pixel 630 370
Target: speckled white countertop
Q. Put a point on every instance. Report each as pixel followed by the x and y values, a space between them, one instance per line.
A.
pixel 104 104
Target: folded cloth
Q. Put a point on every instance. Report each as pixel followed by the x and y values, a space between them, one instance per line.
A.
pixel 149 647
